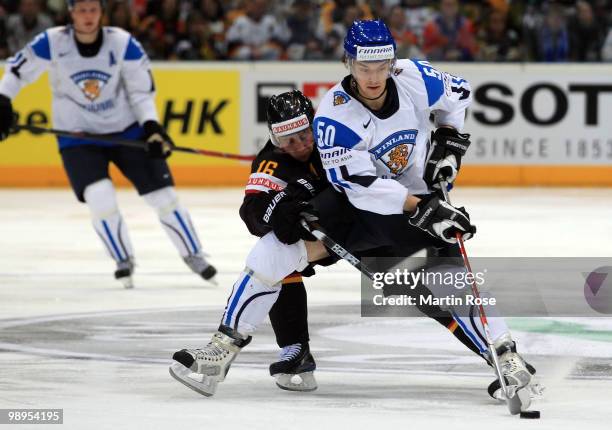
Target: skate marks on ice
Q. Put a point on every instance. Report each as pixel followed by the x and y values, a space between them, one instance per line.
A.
pixel 342 341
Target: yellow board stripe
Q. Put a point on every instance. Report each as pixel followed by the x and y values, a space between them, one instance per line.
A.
pixel 453 326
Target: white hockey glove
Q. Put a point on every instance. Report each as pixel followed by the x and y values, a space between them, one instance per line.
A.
pixel 442 220
pixel 444 158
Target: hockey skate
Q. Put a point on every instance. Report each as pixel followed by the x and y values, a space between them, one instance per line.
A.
pixel 124 271
pixel 202 369
pixel 295 369
pixel 198 264
pixel 518 374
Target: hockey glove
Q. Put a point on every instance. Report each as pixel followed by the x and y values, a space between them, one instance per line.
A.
pixel 442 220
pixel 284 214
pixel 302 189
pixel 444 158
pixel 7 117
pixel 159 144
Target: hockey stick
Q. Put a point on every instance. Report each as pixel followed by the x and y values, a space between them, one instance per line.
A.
pixel 317 231
pixel 513 401
pixel 127 142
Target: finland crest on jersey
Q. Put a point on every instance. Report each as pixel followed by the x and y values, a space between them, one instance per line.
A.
pixel 395 150
pixel 91 82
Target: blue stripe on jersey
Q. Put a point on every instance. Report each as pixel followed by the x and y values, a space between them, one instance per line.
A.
pixel 112 241
pixel 332 133
pixel 186 230
pixel 334 178
pixel 40 46
pixel 234 303
pixel 134 50
pixel 432 80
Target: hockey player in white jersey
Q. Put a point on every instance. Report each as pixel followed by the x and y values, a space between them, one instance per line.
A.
pixel 101 83
pixel 373 136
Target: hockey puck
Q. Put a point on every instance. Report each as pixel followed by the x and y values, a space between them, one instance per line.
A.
pixel 530 414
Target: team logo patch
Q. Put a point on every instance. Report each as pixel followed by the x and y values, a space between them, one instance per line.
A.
pixel 91 82
pixel 395 150
pixel 340 98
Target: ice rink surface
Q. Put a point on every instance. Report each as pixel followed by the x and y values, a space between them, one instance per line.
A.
pixel 71 337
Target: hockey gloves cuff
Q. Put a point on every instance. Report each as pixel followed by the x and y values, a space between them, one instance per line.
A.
pixel 444 158
pixel 7 117
pixel 442 220
pixel 284 214
pixel 159 144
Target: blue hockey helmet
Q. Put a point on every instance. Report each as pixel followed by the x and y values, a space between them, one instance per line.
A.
pixel 369 40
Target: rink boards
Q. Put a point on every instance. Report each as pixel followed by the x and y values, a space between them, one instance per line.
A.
pixel 530 124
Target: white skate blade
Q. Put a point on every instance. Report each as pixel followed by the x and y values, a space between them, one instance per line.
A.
pixel 299 382
pixel 213 281
pixel 202 384
pixel 127 282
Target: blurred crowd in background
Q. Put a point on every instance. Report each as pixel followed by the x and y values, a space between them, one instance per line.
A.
pixel 246 30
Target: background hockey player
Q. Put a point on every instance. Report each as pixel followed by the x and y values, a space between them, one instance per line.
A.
pixel 101 83
pixel 373 135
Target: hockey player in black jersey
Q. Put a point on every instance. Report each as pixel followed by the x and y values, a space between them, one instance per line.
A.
pixel 286 173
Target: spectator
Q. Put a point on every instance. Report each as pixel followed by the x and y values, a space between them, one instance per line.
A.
pixel 407 41
pixel 417 16
pixel 256 35
pixel 333 48
pixel 497 42
pixel 21 27
pixel 4 52
pixel 586 34
pixel 450 36
pixel 198 42
pixel 606 50
pixel 160 29
pixel 334 12
pixel 119 15
pixel 550 42
pixel 302 23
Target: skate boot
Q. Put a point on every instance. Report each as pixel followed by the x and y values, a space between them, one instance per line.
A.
pixel 295 369
pixel 198 264
pixel 124 271
pixel 202 369
pixel 518 374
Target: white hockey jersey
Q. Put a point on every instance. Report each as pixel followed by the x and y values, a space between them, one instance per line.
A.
pixel 105 93
pixel 378 160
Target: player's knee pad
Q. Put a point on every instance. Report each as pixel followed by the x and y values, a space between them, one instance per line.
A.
pixel 101 198
pixel 106 219
pixel 175 219
pixel 273 260
pixel 249 303
pixel 164 200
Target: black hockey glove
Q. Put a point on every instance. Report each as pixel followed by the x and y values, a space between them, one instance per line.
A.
pixel 442 220
pixel 284 214
pixel 444 158
pixel 159 144
pixel 302 189
pixel 7 117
